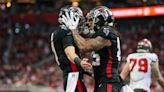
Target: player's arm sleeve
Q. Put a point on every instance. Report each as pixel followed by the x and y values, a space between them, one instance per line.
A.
pixel 67 41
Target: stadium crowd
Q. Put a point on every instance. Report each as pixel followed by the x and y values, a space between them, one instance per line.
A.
pixel 30 61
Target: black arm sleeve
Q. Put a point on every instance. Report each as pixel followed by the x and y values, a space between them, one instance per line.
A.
pixel 67 41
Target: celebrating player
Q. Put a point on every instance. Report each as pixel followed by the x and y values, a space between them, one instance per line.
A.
pixel 106 44
pixel 67 54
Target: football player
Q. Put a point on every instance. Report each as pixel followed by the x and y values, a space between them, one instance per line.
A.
pixel 141 65
pixel 67 54
pixel 106 44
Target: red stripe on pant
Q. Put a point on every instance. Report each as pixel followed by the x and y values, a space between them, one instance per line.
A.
pixel 109 65
pixel 109 88
pixel 74 69
pixel 79 86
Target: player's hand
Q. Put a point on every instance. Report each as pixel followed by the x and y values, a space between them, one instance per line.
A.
pixel 85 65
pixel 70 20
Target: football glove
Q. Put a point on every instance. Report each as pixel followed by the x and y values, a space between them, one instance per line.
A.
pixel 70 20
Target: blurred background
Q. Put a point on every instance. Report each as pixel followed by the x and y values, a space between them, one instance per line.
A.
pixel 27 63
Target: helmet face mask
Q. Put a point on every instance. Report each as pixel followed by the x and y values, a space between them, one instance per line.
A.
pixel 90 17
pixel 144 46
pixel 77 13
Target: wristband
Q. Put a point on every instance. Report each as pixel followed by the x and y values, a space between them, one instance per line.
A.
pixel 77 61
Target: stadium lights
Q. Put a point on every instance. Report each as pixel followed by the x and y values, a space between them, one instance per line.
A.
pixel 144 1
pixel 75 2
pixel 8 4
pixel 138 11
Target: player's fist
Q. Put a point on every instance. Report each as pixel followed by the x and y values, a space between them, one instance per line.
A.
pixel 85 65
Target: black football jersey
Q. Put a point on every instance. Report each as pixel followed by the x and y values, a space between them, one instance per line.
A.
pixel 109 56
pixel 60 39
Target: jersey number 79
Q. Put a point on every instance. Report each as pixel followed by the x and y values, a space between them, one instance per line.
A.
pixel 141 63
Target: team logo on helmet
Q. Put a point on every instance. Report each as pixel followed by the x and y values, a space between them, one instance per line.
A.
pixel 100 16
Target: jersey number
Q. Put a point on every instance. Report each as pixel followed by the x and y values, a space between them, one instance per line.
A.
pixel 142 63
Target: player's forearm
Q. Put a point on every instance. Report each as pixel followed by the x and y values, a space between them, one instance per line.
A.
pixel 157 74
pixel 80 41
pixel 125 71
pixel 70 53
pixel 122 76
pixel 161 82
pixel 71 56
pixel 86 45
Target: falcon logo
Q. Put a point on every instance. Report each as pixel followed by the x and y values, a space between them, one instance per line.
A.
pixel 106 31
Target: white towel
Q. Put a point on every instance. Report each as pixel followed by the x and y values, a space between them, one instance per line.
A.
pixel 126 88
pixel 72 81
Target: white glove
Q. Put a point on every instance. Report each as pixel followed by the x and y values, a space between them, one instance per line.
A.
pixel 71 21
